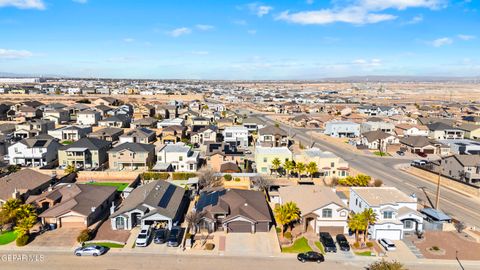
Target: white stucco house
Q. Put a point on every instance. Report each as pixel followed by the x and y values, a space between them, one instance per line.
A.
pixel 396 211
pixel 178 157
pixel 342 129
pixel 236 135
pixel 88 117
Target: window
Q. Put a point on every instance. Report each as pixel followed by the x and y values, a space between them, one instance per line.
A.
pixel 327 213
pixel 356 201
pixel 408 224
pixel 332 164
pixel 265 159
pixel 180 158
pixel 388 214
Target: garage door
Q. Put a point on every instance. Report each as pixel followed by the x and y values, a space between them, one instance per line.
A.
pixel 72 222
pixel 388 234
pixel 429 151
pixel 333 230
pixel 239 227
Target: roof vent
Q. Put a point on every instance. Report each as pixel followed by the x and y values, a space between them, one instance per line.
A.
pixel 246 204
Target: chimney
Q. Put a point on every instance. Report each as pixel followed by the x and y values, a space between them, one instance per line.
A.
pixel 112 208
pixel 16 194
pixel 93 209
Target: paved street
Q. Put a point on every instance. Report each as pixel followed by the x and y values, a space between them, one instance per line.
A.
pixel 461 206
pixel 117 260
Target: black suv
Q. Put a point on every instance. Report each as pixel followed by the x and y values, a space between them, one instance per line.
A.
pixel 311 256
pixel 327 242
pixel 174 238
pixel 342 242
pixel 160 236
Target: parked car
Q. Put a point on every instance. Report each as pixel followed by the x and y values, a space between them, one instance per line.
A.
pixel 327 242
pixel 160 236
pixel 311 256
pixel 387 244
pixel 418 162
pixel 342 242
pixel 174 237
pixel 143 237
pixel 422 154
pixel 401 153
pixel 90 251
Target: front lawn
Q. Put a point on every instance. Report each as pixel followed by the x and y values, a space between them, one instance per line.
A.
pixel 299 246
pixel 105 244
pixel 381 154
pixel 120 186
pixel 7 237
pixel 320 247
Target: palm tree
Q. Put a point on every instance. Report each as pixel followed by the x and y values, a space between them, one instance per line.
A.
pixel 276 164
pixel 25 211
pixel 369 218
pixel 288 166
pixel 355 223
pixel 10 207
pixel 281 216
pixel 293 212
pixel 300 168
pixel 312 168
pixel 286 214
pixel 24 225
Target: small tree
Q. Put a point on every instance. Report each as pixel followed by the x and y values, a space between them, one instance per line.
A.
pixel 193 219
pixel 70 169
pixel 288 166
pixel 261 183
pixel 356 224
pixel 312 169
pixel 208 179
pixel 227 177
pixel 10 207
pixel 386 265
pixel 276 164
pixel 13 168
pixel 300 169
pixel 460 226
pixel 25 224
pixel 84 236
pixel 369 218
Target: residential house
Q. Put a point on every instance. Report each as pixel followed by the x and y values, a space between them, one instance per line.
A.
pixel 143 111
pixel 138 135
pixel 234 211
pixel 118 121
pixel 442 131
pixel 273 136
pixel 377 125
pixel 342 129
pixel 131 156
pixel 59 116
pixel 22 184
pixel 396 211
pixel 236 135
pixel 74 205
pixel 172 134
pixel 265 155
pixel 148 122
pixel 328 164
pixel 86 153
pixel 405 130
pixel 70 133
pixel 471 131
pixel 204 136
pixel 378 140
pixel 32 128
pixel 177 157
pixel 36 151
pixel 171 122
pixel 28 112
pixel 107 101
pixel 252 124
pixel 88 117
pixel 220 156
pixel 104 110
pixel 377 110
pixel 157 202
pixel 321 208
pixel 421 144
pixel 462 147
pixel 110 134
pixel 465 168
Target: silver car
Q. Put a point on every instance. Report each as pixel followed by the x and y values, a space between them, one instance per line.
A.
pixel 90 251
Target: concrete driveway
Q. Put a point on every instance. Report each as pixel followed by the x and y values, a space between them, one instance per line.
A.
pixel 258 244
pixel 61 237
pixel 402 252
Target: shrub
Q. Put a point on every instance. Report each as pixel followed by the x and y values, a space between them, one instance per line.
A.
pixel 209 246
pixel 279 230
pixel 288 235
pixel 237 179
pixel 382 265
pixel 369 244
pixel 84 101
pixel 356 245
pixel 435 248
pixel 84 236
pixel 22 240
pixel 227 177
pixel 378 183
pixel 155 175
pixel 182 175
pixel 459 226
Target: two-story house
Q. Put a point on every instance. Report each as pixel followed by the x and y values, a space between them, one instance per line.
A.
pixel 236 135
pixel 70 133
pixel 138 135
pixel 442 131
pixel 328 164
pixel 342 129
pixel 118 121
pixel 204 136
pixel 36 151
pixel 88 117
pixel 177 157
pixel 59 116
pixel 273 136
pixel 86 153
pixel 33 128
pixel 265 155
pixel 396 211
pixel 462 167
pixel 131 156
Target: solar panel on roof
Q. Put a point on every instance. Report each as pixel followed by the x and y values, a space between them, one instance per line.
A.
pixel 167 196
pixel 39 143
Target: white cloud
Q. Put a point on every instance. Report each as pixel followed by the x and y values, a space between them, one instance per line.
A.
pixel 439 42
pixel 358 12
pixel 14 54
pixel 23 4
pixel 180 31
pixel 353 15
pixel 367 63
pixel 128 40
pixel 204 27
pixel 259 9
pixel 415 20
pixel 466 37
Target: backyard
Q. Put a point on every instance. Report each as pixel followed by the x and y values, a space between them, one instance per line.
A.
pixel 120 186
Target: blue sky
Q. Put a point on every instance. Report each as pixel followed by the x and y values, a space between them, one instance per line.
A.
pixel 222 39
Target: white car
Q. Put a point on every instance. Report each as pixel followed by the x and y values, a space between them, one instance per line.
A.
pixel 387 244
pixel 143 237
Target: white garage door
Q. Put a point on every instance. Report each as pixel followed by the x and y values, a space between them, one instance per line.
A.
pixel 388 234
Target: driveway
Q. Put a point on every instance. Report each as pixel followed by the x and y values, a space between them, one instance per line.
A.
pixel 402 252
pixel 258 244
pixel 61 237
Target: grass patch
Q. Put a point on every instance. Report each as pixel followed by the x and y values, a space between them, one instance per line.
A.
pixel 299 246
pixel 7 237
pixel 381 154
pixel 105 244
pixel 364 253
pixel 320 247
pixel 67 142
pixel 120 186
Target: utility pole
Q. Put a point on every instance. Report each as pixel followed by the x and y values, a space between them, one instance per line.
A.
pixel 437 200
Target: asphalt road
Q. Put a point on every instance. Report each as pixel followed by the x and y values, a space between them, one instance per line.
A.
pixel 114 261
pixel 456 204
